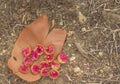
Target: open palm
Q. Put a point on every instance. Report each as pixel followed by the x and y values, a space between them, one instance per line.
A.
pixel 33 34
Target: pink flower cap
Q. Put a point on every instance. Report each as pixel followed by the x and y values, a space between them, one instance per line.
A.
pixel 53 74
pixel 44 72
pixel 50 49
pixel 34 55
pixel 26 51
pixel 27 61
pixel 49 58
pixel 55 65
pixel 44 64
pixel 35 69
pixel 23 69
pixel 62 58
pixel 39 49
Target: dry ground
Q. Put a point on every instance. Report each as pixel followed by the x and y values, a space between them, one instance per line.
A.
pixel 93 41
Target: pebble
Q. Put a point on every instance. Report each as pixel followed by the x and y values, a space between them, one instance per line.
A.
pixel 69 45
pixel 72 58
pixel 70 33
pixel 82 18
pixel 3 51
pixel 77 69
pixel 100 53
pixel 83 29
pixel 73 54
pixel 61 23
pixel 12 34
pixel 83 4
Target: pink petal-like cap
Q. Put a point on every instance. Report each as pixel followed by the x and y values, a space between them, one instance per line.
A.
pixel 49 58
pixel 50 49
pixel 44 72
pixel 35 69
pixel 53 74
pixel 26 51
pixel 23 69
pixel 55 65
pixel 62 58
pixel 44 64
pixel 27 61
pixel 34 55
pixel 39 49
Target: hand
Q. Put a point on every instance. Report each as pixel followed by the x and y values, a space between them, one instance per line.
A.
pixel 33 34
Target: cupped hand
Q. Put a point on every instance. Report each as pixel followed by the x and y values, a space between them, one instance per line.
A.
pixel 33 34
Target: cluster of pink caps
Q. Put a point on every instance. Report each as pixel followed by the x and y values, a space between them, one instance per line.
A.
pixel 41 60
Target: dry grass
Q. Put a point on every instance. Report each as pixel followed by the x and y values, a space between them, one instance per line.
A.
pixel 93 45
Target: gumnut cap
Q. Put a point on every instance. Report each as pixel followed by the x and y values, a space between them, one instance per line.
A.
pixel 44 72
pixel 53 74
pixel 50 49
pixel 35 69
pixel 49 58
pixel 62 58
pixel 23 69
pixel 39 49
pixel 34 55
pixel 26 51
pixel 55 65
pixel 27 61
pixel 44 64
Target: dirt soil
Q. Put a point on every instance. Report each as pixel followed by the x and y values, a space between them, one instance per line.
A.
pixel 92 44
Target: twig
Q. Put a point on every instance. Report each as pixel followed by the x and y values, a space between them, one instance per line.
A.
pixel 114 38
pixel 91 30
pixel 112 10
pixel 83 52
pixel 68 77
pixel 112 16
pixel 110 80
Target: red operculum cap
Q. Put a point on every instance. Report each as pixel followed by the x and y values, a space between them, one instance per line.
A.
pixel 55 65
pixel 44 72
pixel 23 69
pixel 49 58
pixel 62 58
pixel 35 69
pixel 26 51
pixel 34 55
pixel 49 49
pixel 27 61
pixel 39 49
pixel 44 64
pixel 53 74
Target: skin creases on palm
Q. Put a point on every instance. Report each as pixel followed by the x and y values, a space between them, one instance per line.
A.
pixel 33 34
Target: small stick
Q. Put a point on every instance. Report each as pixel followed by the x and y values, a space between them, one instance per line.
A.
pixel 107 80
pixel 83 52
